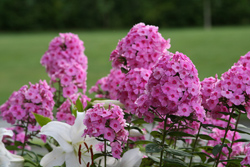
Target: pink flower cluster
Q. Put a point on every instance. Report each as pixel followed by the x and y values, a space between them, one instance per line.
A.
pixel 211 104
pixel 64 111
pixel 232 89
pixel 108 123
pixel 244 60
pixel 107 87
pixel 132 87
pixel 141 48
pixel 173 88
pixel 19 108
pixel 66 63
pixel 246 160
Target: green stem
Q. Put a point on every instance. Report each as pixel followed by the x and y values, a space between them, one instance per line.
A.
pixel 163 140
pixel 195 142
pixel 105 153
pixel 25 137
pixel 236 126
pixel 224 138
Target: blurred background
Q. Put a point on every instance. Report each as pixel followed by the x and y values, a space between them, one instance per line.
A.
pixel 213 33
pixel 99 14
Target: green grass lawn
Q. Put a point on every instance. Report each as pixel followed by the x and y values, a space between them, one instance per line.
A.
pixel 212 52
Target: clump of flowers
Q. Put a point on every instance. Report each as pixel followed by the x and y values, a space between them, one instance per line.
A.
pixel 173 88
pixel 141 48
pixel 107 124
pixel 66 63
pixel 232 89
pixel 132 87
pixel 19 108
pixel 244 60
pixel 107 87
pixel 64 111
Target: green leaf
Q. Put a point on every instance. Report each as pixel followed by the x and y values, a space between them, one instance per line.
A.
pixel 48 147
pixel 205 137
pixel 79 105
pixel 156 134
pixel 178 152
pixel 234 115
pixel 153 148
pixel 216 149
pixel 240 131
pixel 142 142
pixel 180 134
pixel 241 140
pixel 232 162
pixel 212 126
pixel 208 149
pixel 89 105
pixel 139 121
pixel 226 141
pixel 154 158
pixel 41 119
pixel 177 162
pixel 241 108
pixel 73 109
pixel 199 166
pixel 97 155
pixel 202 155
pixel 158 119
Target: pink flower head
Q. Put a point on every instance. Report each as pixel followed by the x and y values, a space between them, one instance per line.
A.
pixel 107 87
pixel 37 98
pixel 232 89
pixel 132 86
pixel 110 126
pixel 141 48
pixel 65 61
pixel 168 92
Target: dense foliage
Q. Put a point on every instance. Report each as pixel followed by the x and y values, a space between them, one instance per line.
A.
pixel 47 14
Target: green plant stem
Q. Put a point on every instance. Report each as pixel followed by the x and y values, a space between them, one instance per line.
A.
pixel 195 142
pixel 163 140
pixel 25 137
pixel 236 126
pixel 105 153
pixel 224 138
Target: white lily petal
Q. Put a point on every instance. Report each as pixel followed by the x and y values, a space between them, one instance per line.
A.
pixel 111 162
pixel 131 158
pixel 135 133
pixel 54 158
pixel 4 161
pixel 71 160
pixel 5 132
pixel 77 129
pixel 60 132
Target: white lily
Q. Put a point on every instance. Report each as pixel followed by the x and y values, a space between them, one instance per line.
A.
pixel 131 158
pixel 74 150
pixel 8 159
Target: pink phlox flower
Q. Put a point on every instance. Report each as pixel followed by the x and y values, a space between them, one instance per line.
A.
pixel 109 134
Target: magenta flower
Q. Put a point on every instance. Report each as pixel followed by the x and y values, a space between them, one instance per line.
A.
pixel 132 86
pixel 108 124
pixel 168 92
pixel 19 108
pixel 141 48
pixel 107 87
pixel 66 63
